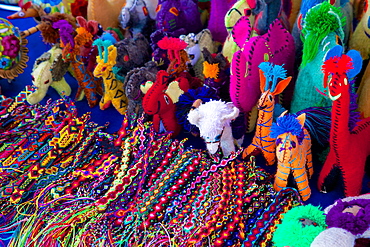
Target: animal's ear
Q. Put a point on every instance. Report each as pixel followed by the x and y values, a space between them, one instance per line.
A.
pixel 81 21
pixel 242 31
pixel 44 57
pixel 146 86
pixel 233 114
pixel 301 119
pixel 205 40
pixel 58 68
pixel 284 113
pixel 281 86
pixel 176 89
pixel 194 116
pixel 27 5
pixel 262 81
pixel 357 63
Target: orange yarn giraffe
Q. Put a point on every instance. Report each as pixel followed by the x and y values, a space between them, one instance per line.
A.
pixel 262 142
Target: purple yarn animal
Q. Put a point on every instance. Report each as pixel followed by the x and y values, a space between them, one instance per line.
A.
pixel 65 31
pixel 216 23
pixel 178 17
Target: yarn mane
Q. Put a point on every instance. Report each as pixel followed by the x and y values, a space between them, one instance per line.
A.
pixel 287 123
pixel 318 23
pixel 185 102
pixel 170 43
pixel 272 73
pixel 65 31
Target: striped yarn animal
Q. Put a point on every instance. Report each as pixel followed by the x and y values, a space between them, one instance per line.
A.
pixel 293 152
pixel 269 85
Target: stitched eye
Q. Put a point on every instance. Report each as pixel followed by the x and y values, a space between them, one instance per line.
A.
pixel 247 12
pixel 158 8
pixel 314 223
pixel 174 11
pixel 270 97
pixel 46 82
pixel 191 56
pixel 21 14
pixel 166 99
pixel 293 144
pixel 301 219
pixel 217 138
pixel 279 141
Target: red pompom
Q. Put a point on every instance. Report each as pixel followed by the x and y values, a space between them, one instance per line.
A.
pixel 170 43
pixel 338 65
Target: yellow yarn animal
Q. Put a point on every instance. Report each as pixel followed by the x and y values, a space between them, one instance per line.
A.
pixel 113 88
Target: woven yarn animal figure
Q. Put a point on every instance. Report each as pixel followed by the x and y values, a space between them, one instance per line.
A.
pixel 349 138
pixel 113 88
pixel 89 85
pixel 293 152
pixel 213 120
pixel 270 87
pixel 322 30
pixel 276 46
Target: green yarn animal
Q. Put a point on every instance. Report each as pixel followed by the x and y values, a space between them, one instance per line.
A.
pixel 322 30
pixel 299 226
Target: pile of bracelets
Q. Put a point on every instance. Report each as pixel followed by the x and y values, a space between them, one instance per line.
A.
pixel 64 181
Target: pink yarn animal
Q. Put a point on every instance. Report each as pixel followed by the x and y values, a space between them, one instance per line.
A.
pixel 276 46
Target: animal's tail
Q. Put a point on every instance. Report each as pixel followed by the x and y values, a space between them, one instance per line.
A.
pixel 318 122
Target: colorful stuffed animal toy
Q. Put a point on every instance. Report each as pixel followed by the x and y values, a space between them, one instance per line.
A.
pixel 49 70
pixel 88 84
pixel 196 43
pixel 348 223
pixel 105 12
pixel 216 24
pixel 268 13
pixel 322 30
pixel 177 17
pixel 273 81
pixel 213 120
pixel 276 46
pixel 113 88
pixel 13 51
pixel 299 226
pixel 136 17
pixel 37 11
pixel 239 9
pixel 132 90
pixel 159 101
pixel 349 146
pixel 131 53
pixel 293 152
pixel 216 74
pixel 176 53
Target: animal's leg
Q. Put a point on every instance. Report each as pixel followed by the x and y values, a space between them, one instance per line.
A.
pixel 326 169
pixel 227 146
pixel 269 156
pixel 252 149
pixel 105 101
pixel 36 96
pixel 301 178
pixel 281 177
pixel 61 86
